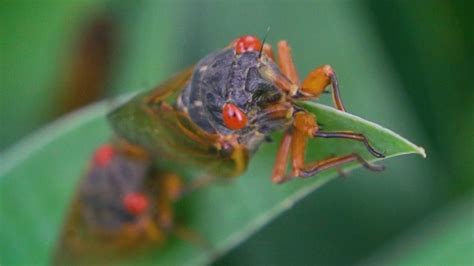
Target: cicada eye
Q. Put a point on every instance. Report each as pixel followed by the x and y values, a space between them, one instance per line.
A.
pixel 233 117
pixel 103 155
pixel 135 203
pixel 247 43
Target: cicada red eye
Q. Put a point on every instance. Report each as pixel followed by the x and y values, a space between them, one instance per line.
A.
pixel 233 117
pixel 135 203
pixel 247 43
pixel 103 155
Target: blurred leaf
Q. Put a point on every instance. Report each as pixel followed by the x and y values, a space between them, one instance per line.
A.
pixel 416 44
pixel 446 238
pixel 37 178
pixel 37 51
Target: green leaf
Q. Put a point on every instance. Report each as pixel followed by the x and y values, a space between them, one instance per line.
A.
pixel 38 177
pixel 445 238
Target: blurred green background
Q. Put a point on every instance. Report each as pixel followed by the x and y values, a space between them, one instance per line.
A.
pixel 415 57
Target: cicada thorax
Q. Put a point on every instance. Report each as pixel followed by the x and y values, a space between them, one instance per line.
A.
pixel 123 204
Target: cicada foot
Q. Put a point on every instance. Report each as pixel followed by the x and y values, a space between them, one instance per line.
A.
pixel 294 144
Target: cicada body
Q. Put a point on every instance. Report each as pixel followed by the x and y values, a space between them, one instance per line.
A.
pixel 214 116
pixel 206 121
pixel 123 204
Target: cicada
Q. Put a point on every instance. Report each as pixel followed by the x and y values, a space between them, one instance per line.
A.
pixel 208 120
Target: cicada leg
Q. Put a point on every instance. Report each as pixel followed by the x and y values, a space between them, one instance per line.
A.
pixel 172 189
pixel 285 62
pixel 334 162
pixel 268 50
pixel 351 136
pixel 316 81
pixel 295 142
pixel 169 188
pixel 281 161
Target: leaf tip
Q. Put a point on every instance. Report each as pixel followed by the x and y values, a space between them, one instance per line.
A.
pixel 421 151
pixel 418 150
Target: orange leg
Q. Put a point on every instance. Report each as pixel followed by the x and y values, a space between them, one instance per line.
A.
pixel 304 127
pixel 173 189
pixel 268 50
pixel 279 170
pixel 317 80
pixel 170 186
pixel 285 61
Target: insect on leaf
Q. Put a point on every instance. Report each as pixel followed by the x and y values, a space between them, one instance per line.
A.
pixel 38 177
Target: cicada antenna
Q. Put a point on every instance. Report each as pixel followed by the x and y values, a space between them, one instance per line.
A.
pixel 263 42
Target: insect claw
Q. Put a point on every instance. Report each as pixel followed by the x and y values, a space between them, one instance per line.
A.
pixel 371 166
pixel 372 150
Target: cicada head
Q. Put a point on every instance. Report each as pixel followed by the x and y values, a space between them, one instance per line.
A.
pixel 233 92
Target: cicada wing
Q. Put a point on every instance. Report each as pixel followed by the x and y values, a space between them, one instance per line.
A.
pixel 172 86
pixel 154 121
